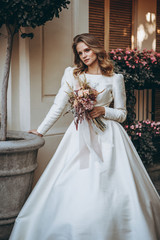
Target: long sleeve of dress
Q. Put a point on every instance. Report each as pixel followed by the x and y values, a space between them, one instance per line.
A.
pixel 118 113
pixel 60 102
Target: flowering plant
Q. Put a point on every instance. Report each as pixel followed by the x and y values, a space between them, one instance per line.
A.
pixel 143 68
pixel 82 101
pixel 144 135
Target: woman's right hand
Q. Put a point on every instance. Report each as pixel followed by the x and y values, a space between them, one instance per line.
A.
pixel 34 131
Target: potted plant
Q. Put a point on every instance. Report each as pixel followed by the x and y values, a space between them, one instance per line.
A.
pixel 18 150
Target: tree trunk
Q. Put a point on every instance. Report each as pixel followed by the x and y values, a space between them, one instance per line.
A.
pixel 4 89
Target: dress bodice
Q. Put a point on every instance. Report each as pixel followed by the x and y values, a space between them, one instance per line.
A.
pixel 113 87
pixel 102 83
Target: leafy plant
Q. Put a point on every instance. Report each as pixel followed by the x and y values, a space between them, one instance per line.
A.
pixel 143 135
pixel 141 69
pixel 15 14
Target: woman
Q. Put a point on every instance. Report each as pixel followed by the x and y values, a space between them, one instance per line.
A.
pixel 95 186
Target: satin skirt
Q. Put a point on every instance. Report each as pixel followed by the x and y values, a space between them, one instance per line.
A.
pixel 94 188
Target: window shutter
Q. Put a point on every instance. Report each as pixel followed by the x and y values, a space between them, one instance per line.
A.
pixel 120 24
pixel 157 105
pixel 96 19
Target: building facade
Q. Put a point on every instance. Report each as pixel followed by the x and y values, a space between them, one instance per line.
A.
pixel 38 64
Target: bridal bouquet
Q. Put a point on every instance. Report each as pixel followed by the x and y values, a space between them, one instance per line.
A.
pixel 82 101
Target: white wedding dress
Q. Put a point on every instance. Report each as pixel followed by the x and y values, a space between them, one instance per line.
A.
pixel 95 186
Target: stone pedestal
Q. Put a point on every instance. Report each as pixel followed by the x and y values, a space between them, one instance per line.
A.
pixel 18 160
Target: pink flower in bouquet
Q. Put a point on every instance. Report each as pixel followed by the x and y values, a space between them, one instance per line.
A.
pixel 82 101
pixel 75 104
pixel 87 104
pixel 86 92
pixel 80 93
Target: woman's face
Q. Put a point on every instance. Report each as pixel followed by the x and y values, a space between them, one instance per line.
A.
pixel 87 56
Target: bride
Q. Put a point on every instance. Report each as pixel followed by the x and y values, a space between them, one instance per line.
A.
pixel 95 186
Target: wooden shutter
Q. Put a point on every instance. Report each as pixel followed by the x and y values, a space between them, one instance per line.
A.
pixel 157 105
pixel 120 24
pixel 96 19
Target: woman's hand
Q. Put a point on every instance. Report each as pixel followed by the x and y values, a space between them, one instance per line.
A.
pixel 34 131
pixel 97 112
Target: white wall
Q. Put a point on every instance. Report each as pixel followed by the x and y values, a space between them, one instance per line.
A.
pixel 36 71
pixel 50 52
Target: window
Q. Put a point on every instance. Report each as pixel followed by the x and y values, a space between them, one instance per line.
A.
pixel 120 21
pixel 96 19
pixel 120 29
pixel 111 21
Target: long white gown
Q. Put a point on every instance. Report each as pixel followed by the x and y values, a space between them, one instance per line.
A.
pixel 95 186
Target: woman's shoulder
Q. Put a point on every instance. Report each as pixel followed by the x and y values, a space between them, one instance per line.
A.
pixel 118 77
pixel 69 69
pixel 115 76
pixel 118 81
pixel 68 75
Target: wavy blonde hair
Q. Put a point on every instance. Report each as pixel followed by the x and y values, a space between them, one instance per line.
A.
pixel 91 41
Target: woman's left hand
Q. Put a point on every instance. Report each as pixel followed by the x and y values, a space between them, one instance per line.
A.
pixel 97 112
pixel 34 131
